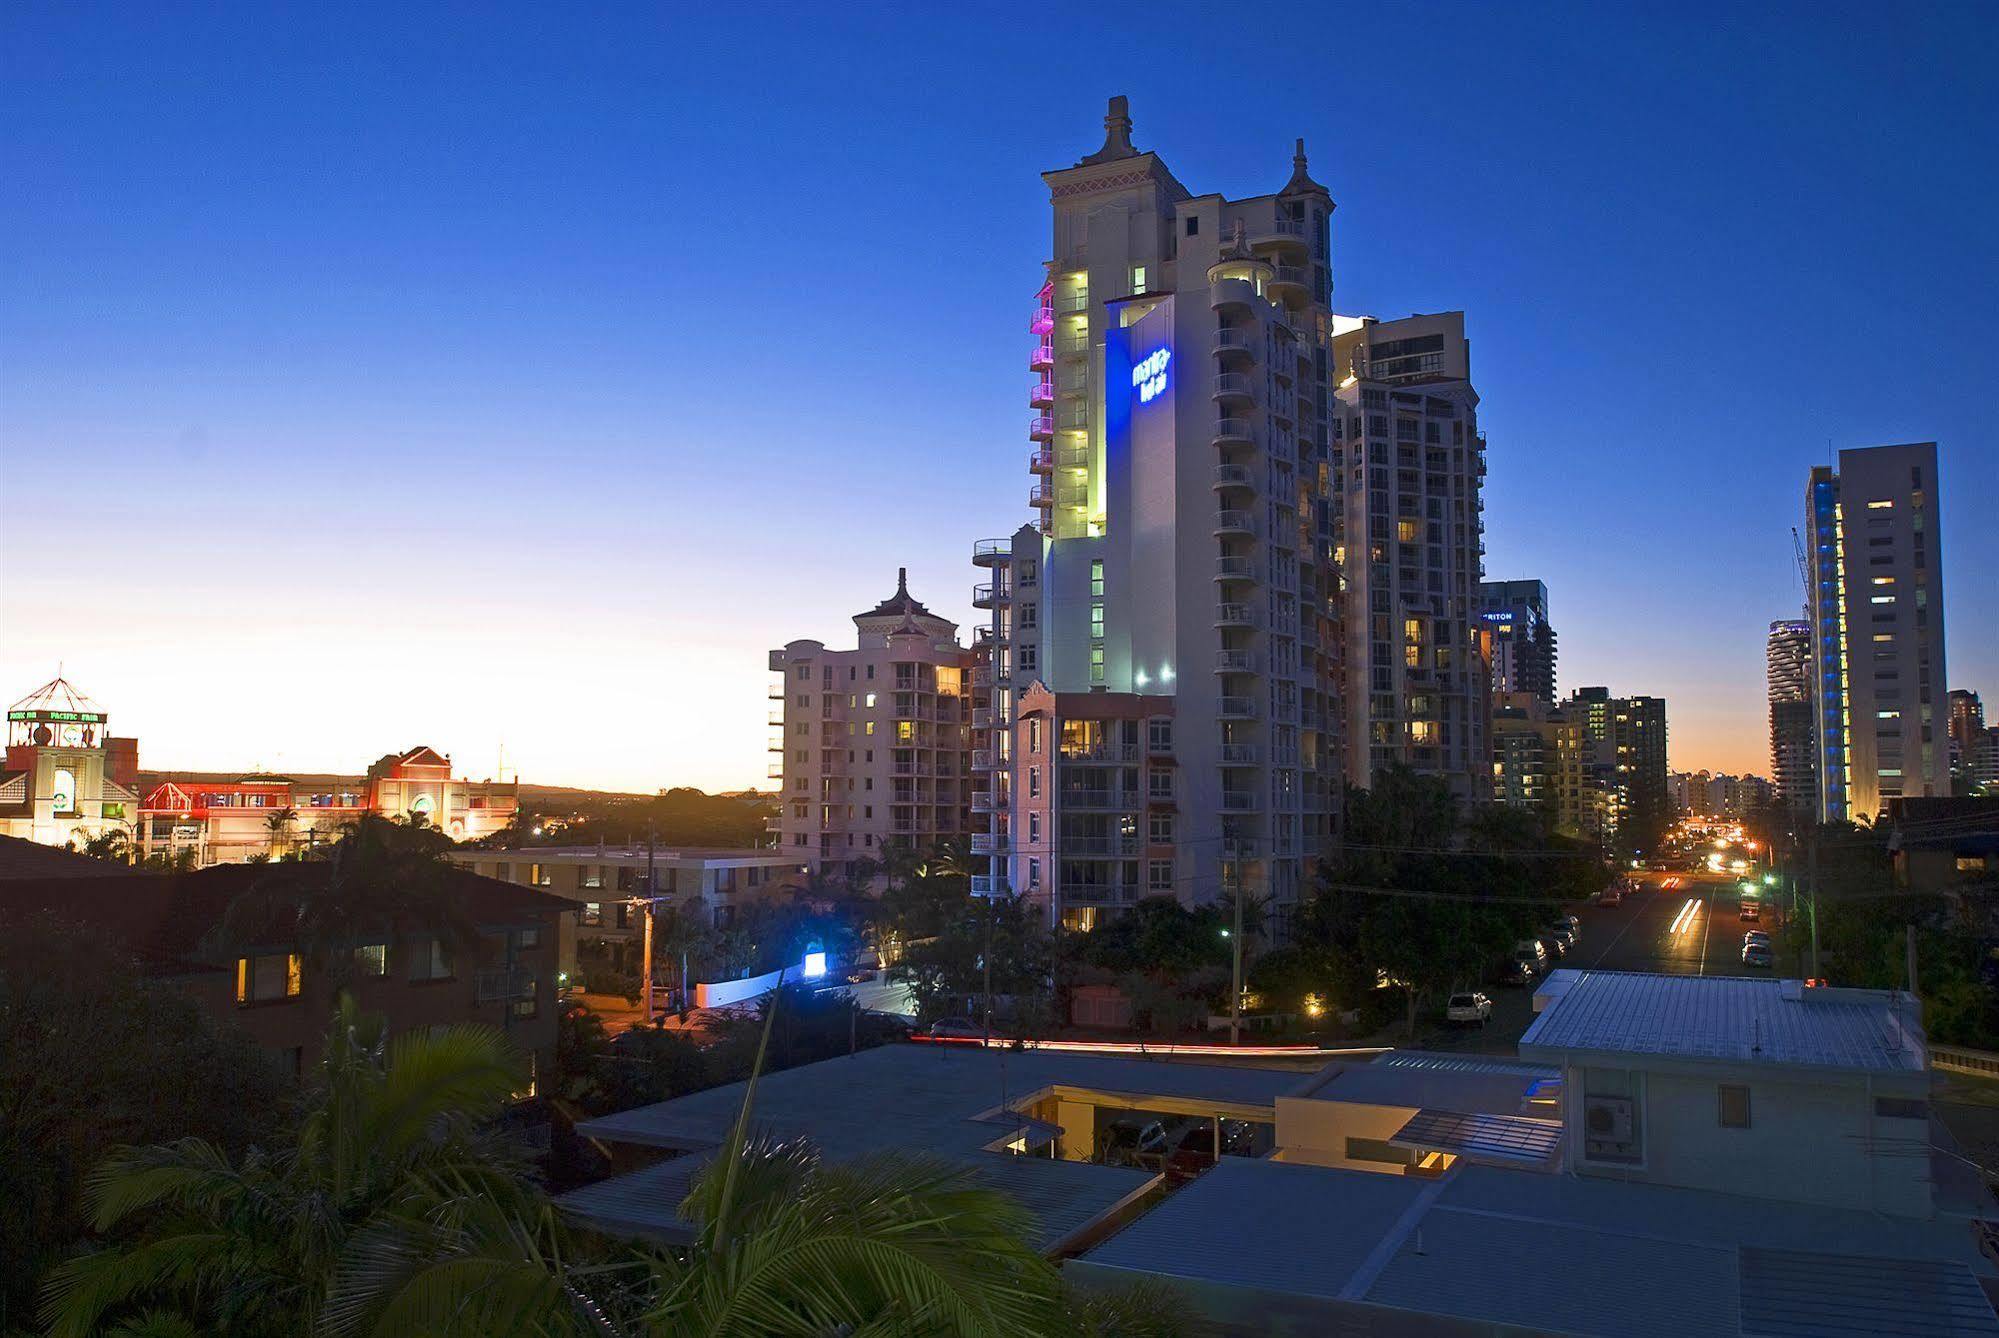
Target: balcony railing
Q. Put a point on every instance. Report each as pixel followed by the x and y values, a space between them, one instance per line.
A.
pixel 1120 844
pixel 1235 615
pixel 1235 661
pixel 989 885
pixel 1233 429
pixel 989 843
pixel 1238 801
pixel 1238 754
pixel 503 984
pixel 1041 461
pixel 1041 427
pixel 1235 522
pixel 1294 275
pixel 1233 341
pixel 1235 708
pixel 1284 227
pixel 1233 384
pixel 1041 495
pixel 989 552
pixel 990 594
pixel 1041 394
pixel 1235 569
pixel 982 759
pixel 1101 752
pixel 1233 476
pixel 1069 304
pixel 1042 358
pixel 1043 320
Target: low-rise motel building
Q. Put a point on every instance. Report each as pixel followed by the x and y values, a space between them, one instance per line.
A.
pixel 1665 1155
pixel 504 974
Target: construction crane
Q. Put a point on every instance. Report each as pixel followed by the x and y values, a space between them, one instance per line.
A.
pixel 1804 564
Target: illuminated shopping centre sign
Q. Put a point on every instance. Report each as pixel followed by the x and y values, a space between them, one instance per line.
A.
pixel 1148 378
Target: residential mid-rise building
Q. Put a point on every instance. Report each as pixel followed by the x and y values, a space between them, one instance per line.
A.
pixel 65 779
pixel 1968 740
pixel 1183 552
pixel 1525 745
pixel 872 744
pixel 1875 600
pixel 1716 794
pixel 1521 643
pixel 1623 745
pixel 1407 465
pixel 1788 675
pixel 1584 776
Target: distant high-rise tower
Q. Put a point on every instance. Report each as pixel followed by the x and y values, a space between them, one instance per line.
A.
pixel 1176 601
pixel 1406 468
pixel 1876 607
pixel 1788 656
pixel 1514 615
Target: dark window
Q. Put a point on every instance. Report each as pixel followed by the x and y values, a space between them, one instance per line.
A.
pixel 1193 226
pixel 1901 1108
pixel 1733 1106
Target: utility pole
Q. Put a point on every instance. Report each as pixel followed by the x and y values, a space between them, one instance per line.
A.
pixel 1812 889
pixel 988 963
pixel 1235 991
pixel 651 894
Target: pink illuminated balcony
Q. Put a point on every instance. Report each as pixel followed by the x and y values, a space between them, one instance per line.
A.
pixel 1042 394
pixel 1041 495
pixel 1044 319
pixel 1041 461
pixel 1042 358
pixel 1041 427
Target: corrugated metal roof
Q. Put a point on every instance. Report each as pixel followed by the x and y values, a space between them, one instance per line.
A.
pixel 928 1098
pixel 1728 1018
pixel 1487 1137
pixel 1270 1225
pixel 1794 1294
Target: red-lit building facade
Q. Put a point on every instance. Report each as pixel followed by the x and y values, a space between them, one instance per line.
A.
pixel 227 822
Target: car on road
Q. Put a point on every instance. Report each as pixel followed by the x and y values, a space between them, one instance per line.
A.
pixel 1519 971
pixel 1468 1010
pixel 1531 950
pixel 1750 910
pixel 1755 936
pixel 1756 954
pixel 955 1029
pixel 1557 949
pixel 1564 932
pixel 1610 895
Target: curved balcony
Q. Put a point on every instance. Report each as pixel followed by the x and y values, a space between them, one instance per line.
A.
pixel 1235 522
pixel 1041 461
pixel 1044 319
pixel 1227 292
pixel 1041 427
pixel 1041 395
pixel 1279 232
pixel 992 595
pixel 1234 386
pixel 1235 615
pixel 1042 358
pixel 1235 708
pixel 1238 754
pixel 1229 343
pixel 1291 280
pixel 1233 569
pixel 1239 801
pixel 1233 476
pixel 1234 432
pixel 1041 496
pixel 1235 661
pixel 992 553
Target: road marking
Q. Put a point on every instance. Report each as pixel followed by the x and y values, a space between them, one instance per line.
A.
pixel 1636 915
pixel 1684 918
pixel 1707 923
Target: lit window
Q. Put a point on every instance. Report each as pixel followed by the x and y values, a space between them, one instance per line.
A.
pixel 1880 506
pixel 1096 664
pixel 1096 578
pixel 1881 599
pixel 271 976
pixel 372 959
pixel 1884 580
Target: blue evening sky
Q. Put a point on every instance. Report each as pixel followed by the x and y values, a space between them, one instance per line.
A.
pixel 506 376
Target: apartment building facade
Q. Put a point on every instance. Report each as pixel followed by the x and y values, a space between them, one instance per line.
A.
pixel 1407 467
pixel 1520 643
pixel 1182 551
pixel 873 745
pixel 1875 603
pixel 1788 674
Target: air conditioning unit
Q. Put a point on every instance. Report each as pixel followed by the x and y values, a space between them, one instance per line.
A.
pixel 1607 1119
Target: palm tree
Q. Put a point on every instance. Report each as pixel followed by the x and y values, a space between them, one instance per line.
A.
pixel 391 1209
pixel 889 1244
pixel 279 825
pixel 950 857
pixel 899 862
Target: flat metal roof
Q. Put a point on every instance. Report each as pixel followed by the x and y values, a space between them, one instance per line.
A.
pixel 1512 1138
pixel 1733 1019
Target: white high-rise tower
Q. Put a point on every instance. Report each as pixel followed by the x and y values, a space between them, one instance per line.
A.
pixel 1165 715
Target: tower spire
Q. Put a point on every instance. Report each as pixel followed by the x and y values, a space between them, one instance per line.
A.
pixel 1117 134
pixel 1301 180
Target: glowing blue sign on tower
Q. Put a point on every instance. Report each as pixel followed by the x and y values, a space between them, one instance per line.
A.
pixel 1148 377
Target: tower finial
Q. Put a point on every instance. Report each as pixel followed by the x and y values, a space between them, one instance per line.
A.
pixel 902 580
pixel 1117 133
pixel 1301 180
